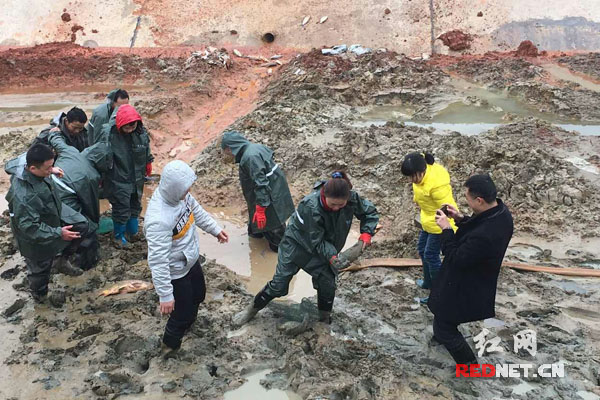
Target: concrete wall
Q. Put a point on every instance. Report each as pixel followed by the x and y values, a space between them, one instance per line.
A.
pixel 406 28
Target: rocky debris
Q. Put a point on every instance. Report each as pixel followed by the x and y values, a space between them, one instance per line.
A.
pixel 588 64
pixel 66 17
pixel 210 56
pixel 158 105
pixel 456 40
pixel 527 49
pixel 65 62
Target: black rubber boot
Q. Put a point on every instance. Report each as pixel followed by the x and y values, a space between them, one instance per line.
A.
pixel 463 354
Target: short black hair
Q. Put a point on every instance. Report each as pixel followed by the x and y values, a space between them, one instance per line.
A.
pixel 121 94
pixel 38 154
pixel 416 162
pixel 76 114
pixel 482 186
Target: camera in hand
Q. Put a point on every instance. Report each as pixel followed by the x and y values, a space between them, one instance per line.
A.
pixel 445 210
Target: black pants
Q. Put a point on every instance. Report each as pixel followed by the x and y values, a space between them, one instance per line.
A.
pixel 38 272
pixel 447 333
pixel 124 206
pixel 189 292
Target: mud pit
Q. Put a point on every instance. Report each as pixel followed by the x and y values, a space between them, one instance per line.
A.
pixel 319 113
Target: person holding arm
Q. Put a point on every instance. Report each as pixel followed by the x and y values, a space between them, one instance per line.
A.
pixel 173 250
pixel 313 240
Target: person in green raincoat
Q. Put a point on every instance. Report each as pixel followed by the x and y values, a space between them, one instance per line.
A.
pixel 264 186
pixel 131 162
pixel 101 114
pixel 71 126
pixel 313 240
pixel 79 188
pixel 43 227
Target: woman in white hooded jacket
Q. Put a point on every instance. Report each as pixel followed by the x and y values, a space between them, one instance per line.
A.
pixel 173 250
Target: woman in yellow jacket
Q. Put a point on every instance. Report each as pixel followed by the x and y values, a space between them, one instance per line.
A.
pixel 431 189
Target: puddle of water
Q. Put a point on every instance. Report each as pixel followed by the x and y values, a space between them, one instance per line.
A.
pixel 523 250
pixel 583 165
pixel 252 389
pixel 566 75
pixel 482 109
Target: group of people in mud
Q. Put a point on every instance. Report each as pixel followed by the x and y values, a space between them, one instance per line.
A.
pixel 55 214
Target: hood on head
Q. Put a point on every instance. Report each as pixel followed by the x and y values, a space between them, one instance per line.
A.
pixel 235 141
pixel 127 114
pixel 17 166
pixel 176 178
pixel 110 97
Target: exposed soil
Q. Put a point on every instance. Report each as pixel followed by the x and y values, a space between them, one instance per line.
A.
pixel 309 112
pixel 456 40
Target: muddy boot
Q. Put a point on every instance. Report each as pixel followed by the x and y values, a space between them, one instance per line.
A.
pixel 245 315
pixel 463 354
pixel 63 266
pixel 254 235
pixel 167 352
pixel 40 298
pixel 131 231
pixel 119 239
pixel 325 316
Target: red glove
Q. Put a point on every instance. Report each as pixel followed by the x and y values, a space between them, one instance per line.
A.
pixel 149 169
pixel 259 217
pixel 365 238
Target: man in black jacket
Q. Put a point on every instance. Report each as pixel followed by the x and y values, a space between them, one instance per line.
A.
pixel 466 286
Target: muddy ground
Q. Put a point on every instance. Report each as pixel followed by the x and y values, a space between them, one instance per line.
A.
pixel 314 113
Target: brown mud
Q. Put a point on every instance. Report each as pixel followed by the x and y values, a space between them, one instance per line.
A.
pixel 379 344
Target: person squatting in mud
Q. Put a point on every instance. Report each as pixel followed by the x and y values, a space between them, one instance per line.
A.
pixel 465 289
pixel 173 250
pixel 431 189
pixel 46 230
pixel 71 126
pixel 131 162
pixel 313 239
pixel 264 186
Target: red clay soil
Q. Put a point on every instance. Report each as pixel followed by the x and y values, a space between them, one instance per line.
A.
pixel 66 17
pixel 527 49
pixel 456 40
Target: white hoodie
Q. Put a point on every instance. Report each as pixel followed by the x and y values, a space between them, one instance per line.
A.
pixel 169 226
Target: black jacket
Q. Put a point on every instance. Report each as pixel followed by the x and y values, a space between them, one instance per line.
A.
pixel 465 289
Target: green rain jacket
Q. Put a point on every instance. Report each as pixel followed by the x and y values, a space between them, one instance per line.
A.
pixel 263 182
pixel 314 235
pixel 129 153
pixel 79 141
pixel 36 213
pixel 100 116
pixel 80 185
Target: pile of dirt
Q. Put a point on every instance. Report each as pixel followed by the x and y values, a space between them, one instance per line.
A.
pixel 527 49
pixel 456 40
pixel 67 63
pixel 588 64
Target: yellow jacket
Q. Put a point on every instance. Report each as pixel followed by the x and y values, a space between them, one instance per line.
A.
pixel 433 191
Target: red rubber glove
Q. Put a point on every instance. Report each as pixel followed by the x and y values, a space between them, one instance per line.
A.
pixel 148 169
pixel 259 217
pixel 365 238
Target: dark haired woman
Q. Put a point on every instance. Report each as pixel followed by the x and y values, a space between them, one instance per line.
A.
pixel 431 189
pixel 313 239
